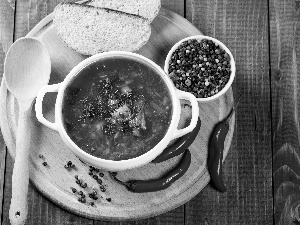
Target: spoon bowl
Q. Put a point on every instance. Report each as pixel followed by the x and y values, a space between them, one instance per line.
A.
pixel 27 69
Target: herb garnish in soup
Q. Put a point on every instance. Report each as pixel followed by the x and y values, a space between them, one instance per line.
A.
pixel 117 108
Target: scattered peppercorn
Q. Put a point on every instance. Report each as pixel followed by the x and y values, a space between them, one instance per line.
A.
pixel 45 163
pixel 84 185
pixel 80 193
pixel 91 195
pixel 78 182
pixel 92 203
pixel 108 199
pixel 102 188
pixel 41 156
pixel 202 72
pixel 67 168
pixel 82 200
pixel 73 190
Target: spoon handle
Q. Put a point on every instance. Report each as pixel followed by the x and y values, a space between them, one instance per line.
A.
pixel 20 178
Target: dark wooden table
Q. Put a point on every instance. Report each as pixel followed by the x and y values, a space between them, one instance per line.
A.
pixel 263 165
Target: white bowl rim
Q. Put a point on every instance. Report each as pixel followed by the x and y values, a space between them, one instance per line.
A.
pixel 119 164
pixel 232 63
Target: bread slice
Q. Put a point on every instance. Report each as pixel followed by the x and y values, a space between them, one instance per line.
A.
pixel 145 8
pixel 90 30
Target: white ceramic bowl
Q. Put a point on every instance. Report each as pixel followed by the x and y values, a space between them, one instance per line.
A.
pixel 111 165
pixel 232 63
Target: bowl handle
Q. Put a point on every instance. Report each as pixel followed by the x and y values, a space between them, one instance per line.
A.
pixel 195 113
pixel 39 105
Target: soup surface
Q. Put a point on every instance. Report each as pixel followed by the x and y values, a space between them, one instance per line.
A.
pixel 117 108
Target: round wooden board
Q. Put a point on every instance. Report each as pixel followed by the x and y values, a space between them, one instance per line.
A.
pixel 54 181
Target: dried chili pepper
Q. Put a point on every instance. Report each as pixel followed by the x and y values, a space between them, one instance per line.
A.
pixel 216 148
pixel 179 146
pixel 141 186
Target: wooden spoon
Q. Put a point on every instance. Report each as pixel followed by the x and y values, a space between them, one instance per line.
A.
pixel 27 69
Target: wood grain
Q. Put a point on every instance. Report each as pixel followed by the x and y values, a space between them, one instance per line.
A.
pixel 40 209
pixel 243 27
pixel 124 205
pixel 6 39
pixel 20 19
pixel 175 216
pixel 285 61
pixel 27 14
pixel 3 153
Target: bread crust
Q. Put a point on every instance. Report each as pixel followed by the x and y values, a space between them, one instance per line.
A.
pixel 148 9
pixel 90 30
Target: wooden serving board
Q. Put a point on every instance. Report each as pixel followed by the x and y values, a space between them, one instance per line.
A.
pixel 55 182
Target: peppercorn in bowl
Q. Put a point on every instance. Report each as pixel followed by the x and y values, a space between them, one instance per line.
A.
pixel 201 65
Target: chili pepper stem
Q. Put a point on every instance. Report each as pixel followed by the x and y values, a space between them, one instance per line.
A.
pixel 119 181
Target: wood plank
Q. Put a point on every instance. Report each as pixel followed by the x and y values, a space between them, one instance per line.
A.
pixel 176 6
pixel 6 39
pixel 243 27
pixel 285 61
pixel 175 216
pixel 3 153
pixel 42 211
pixel 6 29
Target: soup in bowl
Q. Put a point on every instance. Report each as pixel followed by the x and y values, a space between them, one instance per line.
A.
pixel 117 110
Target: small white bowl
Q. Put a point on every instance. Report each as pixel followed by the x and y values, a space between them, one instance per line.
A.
pixel 232 63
